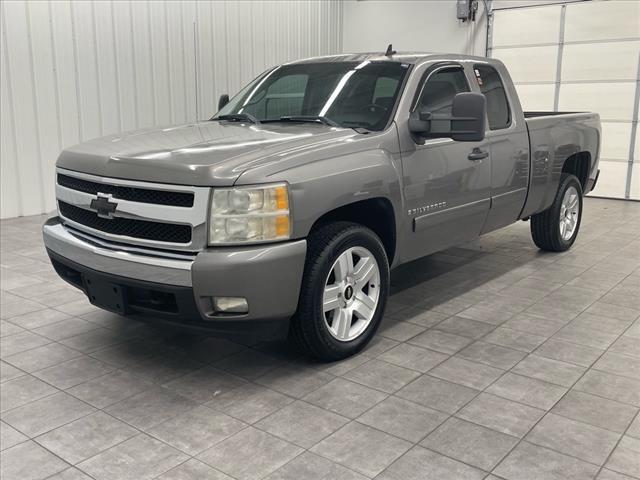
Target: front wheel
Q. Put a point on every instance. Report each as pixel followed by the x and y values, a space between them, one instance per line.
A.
pixel 556 228
pixel 344 291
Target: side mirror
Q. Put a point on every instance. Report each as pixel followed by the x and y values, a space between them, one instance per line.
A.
pixel 466 123
pixel 224 99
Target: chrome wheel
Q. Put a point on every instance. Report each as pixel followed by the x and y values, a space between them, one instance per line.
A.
pixel 351 293
pixel 569 210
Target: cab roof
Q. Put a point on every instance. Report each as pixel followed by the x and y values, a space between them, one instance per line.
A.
pixel 402 57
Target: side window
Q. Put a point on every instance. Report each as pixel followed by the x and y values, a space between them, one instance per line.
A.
pixel 438 92
pixel 497 105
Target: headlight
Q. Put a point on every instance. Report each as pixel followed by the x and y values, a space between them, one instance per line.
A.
pixel 249 214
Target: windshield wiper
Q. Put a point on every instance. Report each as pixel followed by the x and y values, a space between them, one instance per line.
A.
pixel 308 118
pixel 238 117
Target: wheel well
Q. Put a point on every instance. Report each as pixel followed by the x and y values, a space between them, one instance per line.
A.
pixel 578 164
pixel 374 213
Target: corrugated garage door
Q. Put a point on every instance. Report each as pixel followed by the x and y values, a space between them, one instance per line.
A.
pixel 581 56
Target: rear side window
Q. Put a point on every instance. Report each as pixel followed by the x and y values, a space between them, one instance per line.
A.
pixel 438 92
pixel 493 89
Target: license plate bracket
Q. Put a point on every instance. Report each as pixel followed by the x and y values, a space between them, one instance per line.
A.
pixel 104 294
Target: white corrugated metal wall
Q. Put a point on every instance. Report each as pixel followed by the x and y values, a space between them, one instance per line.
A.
pixel 74 70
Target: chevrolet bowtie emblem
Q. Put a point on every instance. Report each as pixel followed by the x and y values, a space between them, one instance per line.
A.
pixel 103 205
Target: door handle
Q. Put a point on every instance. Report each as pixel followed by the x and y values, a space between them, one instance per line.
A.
pixel 477 154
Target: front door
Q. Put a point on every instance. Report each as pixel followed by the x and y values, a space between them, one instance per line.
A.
pixel 447 184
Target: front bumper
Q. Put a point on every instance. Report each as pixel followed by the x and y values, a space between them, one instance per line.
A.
pixel 178 288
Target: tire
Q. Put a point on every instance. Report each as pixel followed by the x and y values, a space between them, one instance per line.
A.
pixel 335 333
pixel 547 230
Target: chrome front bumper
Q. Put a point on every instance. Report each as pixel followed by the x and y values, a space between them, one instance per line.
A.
pixel 120 262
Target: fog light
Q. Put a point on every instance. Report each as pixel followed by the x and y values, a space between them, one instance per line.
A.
pixel 230 305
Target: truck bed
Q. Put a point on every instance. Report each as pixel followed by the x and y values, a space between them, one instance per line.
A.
pixel 553 138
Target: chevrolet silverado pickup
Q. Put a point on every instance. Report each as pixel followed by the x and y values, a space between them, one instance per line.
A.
pixel 284 212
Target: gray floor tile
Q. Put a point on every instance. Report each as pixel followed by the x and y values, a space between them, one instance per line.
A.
pixel 23 390
pixel 601 322
pixel 544 327
pixel 294 380
pixel 531 462
pixel 9 372
pixel 515 339
pixel 437 394
pixel 626 345
pixel 611 475
pixel 415 358
pixel 47 413
pixel 492 355
pixel 403 419
pixel 577 439
pixel 42 357
pixel 569 352
pixel 86 437
pixel 29 461
pixel 193 470
pixel 623 365
pixel 39 318
pixel 9 436
pixel 204 384
pixel 20 342
pixel 69 327
pixel 309 466
pixel 596 411
pixel 614 387
pixel 424 318
pixel 440 341
pixel 634 428
pixel 399 331
pixel 346 398
pixel 139 458
pixel 250 454
pixel 552 371
pixel 500 414
pixel 422 464
pixel 529 391
pixel 73 372
pixel 585 336
pixel 465 327
pixel 362 448
pixel 381 376
pixel 249 364
pixel 250 402
pixel 109 389
pixel 470 443
pixel 70 474
pixel 302 423
pixel 613 311
pixel 625 458
pixel 150 408
pixel 465 372
pixel 196 430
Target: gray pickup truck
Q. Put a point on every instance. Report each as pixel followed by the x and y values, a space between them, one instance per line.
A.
pixel 284 213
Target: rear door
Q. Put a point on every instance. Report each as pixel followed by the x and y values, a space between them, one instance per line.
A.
pixel 446 192
pixel 508 143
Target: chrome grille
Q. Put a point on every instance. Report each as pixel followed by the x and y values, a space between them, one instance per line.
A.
pixel 170 217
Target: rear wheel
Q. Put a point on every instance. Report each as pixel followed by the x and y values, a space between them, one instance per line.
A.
pixel 344 291
pixel 556 228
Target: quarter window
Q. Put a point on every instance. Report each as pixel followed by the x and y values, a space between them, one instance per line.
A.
pixel 493 89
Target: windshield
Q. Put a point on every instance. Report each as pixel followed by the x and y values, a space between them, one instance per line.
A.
pixel 347 94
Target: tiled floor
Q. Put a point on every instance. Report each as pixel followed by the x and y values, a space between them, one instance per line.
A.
pixel 494 361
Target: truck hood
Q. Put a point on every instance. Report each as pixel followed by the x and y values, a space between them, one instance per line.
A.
pixel 207 153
